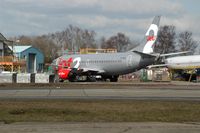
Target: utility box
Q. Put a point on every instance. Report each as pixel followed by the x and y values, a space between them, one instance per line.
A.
pixel 44 78
pixel 143 75
pixel 160 74
pixel 26 78
pixel 8 78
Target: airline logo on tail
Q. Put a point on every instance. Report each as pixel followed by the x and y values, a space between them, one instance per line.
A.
pixel 151 36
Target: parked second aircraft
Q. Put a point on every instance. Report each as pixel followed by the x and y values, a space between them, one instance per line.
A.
pixel 183 62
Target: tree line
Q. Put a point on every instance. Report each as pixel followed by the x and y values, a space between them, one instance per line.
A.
pixel 169 41
pixel 73 38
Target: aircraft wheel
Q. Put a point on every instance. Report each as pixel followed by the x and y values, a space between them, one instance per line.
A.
pixel 104 78
pixel 61 80
pixel 91 79
pixel 114 78
pixel 73 77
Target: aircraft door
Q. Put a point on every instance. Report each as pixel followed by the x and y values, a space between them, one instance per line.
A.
pixel 87 62
pixel 129 60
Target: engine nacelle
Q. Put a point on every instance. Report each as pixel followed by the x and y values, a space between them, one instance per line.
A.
pixel 64 73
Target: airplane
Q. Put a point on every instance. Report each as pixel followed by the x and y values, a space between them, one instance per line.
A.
pixel 108 65
pixel 189 64
pixel 183 62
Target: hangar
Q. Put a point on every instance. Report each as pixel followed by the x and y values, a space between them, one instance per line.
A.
pixel 15 57
pixel 34 58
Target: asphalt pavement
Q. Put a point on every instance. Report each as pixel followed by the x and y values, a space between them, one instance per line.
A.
pixel 149 127
pixel 105 91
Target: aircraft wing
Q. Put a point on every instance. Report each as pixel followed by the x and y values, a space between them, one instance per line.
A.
pixel 176 66
pixel 159 65
pixel 92 70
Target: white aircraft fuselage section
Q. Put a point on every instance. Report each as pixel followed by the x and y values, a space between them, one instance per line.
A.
pixel 183 62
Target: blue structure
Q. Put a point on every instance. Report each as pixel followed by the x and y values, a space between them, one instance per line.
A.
pixel 34 57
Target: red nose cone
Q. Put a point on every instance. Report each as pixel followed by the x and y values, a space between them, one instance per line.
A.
pixel 63 73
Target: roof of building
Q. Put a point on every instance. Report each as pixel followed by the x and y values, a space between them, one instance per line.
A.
pixel 19 49
pixel 2 38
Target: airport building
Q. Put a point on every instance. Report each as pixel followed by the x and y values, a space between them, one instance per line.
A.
pixel 95 51
pixel 33 57
pixel 18 58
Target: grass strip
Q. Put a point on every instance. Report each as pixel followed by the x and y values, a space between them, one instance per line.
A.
pixel 99 111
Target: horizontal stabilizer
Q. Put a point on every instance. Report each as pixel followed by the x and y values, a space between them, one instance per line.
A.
pixel 144 55
pixel 177 53
pixel 93 70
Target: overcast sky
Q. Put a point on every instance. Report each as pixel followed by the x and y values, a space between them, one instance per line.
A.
pixel 105 17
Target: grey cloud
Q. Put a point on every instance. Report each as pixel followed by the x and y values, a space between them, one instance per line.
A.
pixel 106 17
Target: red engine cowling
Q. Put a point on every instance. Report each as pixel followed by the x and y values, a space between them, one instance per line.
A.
pixel 64 68
pixel 63 73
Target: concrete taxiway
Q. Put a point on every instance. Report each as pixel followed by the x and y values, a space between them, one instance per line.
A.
pixel 103 91
pixel 151 127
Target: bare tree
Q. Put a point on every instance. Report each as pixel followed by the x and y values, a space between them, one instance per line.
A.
pixel 166 39
pixel 73 38
pixel 119 42
pixel 102 43
pixel 88 38
pixel 55 44
pixel 186 42
pixel 24 40
pixel 43 43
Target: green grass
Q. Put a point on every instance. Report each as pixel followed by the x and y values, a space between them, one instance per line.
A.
pixel 99 111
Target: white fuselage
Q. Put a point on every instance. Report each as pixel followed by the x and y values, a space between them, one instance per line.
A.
pixel 183 62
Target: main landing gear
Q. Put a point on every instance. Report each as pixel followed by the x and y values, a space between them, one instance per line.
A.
pixel 74 76
pixel 114 78
pixel 91 78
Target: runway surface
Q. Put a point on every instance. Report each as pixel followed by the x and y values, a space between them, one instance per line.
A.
pixel 142 127
pixel 143 92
